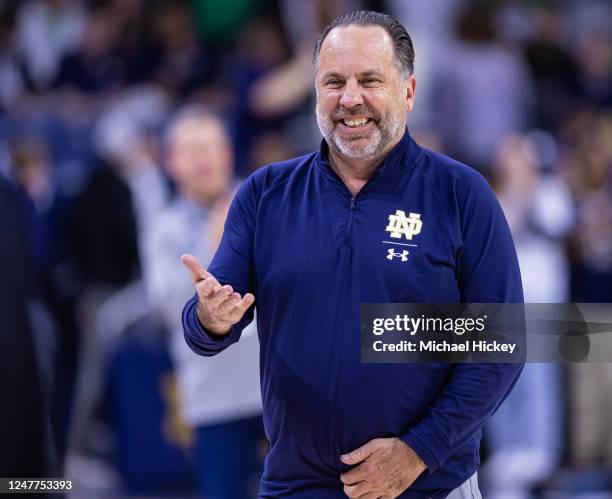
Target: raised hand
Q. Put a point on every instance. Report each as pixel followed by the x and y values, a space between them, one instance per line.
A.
pixel 219 307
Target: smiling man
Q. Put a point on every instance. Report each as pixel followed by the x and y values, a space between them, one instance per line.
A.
pixel 369 218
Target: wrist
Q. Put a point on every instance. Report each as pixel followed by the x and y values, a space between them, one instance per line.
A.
pixel 419 463
pixel 414 459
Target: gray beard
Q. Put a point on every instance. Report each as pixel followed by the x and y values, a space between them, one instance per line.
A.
pixel 379 141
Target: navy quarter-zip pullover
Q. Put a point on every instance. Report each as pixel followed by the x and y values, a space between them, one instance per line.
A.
pixel 311 253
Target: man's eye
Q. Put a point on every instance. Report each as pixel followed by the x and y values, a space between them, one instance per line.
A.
pixel 370 81
pixel 334 83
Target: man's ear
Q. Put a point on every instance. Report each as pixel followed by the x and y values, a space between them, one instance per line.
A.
pixel 410 84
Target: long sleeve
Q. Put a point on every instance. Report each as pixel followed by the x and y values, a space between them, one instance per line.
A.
pixel 232 264
pixel 488 272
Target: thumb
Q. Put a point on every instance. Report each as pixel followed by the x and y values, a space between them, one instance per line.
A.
pixel 360 454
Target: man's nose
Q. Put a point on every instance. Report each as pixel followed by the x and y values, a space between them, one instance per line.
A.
pixel 351 96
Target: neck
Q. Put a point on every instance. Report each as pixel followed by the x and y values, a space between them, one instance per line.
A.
pixel 355 172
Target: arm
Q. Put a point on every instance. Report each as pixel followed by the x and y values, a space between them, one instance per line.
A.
pixel 488 272
pixel 216 315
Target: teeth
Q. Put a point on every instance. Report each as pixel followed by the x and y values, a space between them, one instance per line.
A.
pixel 355 123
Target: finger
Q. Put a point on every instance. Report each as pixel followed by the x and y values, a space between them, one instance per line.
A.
pixel 206 287
pixel 195 269
pixel 226 307
pixel 219 296
pixel 358 490
pixel 355 475
pixel 370 495
pixel 361 453
pixel 238 310
pixel 244 304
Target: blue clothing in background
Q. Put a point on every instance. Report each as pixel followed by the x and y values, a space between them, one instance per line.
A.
pixel 311 253
pixel 227 460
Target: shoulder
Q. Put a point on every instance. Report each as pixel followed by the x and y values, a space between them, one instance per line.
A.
pixel 283 170
pixel 276 175
pixel 441 168
pixel 449 177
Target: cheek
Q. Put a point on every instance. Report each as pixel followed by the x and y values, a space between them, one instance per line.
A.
pixel 380 99
pixel 328 102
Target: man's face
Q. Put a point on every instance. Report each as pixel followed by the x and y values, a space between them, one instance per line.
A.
pixel 362 100
pixel 200 158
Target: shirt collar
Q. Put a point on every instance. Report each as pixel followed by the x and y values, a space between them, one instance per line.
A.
pixel 402 154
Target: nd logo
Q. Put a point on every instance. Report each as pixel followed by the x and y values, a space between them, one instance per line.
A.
pixel 402 225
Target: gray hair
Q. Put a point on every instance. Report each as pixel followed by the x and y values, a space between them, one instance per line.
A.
pixel 402 43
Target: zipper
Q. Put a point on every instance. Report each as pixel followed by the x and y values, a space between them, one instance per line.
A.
pixel 349 222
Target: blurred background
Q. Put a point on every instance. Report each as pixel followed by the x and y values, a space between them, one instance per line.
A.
pixel 125 126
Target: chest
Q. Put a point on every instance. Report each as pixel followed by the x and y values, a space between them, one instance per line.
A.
pixel 397 245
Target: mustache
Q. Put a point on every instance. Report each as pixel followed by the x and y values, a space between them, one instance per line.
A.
pixel 355 111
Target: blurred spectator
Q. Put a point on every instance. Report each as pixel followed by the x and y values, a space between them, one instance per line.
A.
pixel 120 201
pixel 93 66
pixel 588 168
pixel 262 50
pixel 219 396
pixel 47 30
pixel 103 235
pixel 136 38
pixel 122 195
pixel 525 434
pixel 272 90
pixel 182 64
pixel 44 213
pixel 484 94
pixel 126 135
pixel 23 451
pixel 103 248
pixel 554 70
pixel 32 169
pixel 430 24
pixel 540 213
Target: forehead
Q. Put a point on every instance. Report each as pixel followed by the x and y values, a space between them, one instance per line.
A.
pixel 356 48
pixel 197 129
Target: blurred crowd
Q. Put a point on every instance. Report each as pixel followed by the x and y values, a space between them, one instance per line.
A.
pixel 125 127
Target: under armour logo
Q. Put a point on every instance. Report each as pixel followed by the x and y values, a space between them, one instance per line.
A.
pixel 403 255
pixel 400 225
